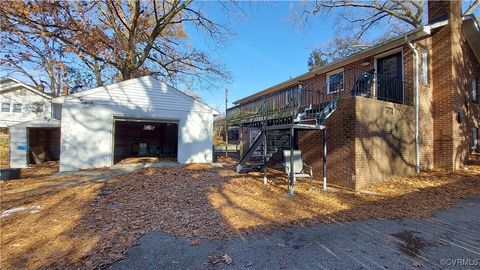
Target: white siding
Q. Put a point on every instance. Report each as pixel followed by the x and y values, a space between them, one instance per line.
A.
pixel 28 99
pixel 87 122
pixel 57 111
pixel 18 147
pixel 145 93
pixel 19 140
pixel 6 83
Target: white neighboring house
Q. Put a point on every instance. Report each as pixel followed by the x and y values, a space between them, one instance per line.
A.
pixel 21 102
pixel 32 122
pixel 137 117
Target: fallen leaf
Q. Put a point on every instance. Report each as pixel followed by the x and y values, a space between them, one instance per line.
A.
pixel 248 264
pixel 227 259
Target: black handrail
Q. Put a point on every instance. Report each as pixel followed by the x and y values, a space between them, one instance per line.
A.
pixel 242 135
pixel 305 103
pixel 360 82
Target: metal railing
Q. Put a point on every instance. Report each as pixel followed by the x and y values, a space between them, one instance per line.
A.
pixel 306 103
pixel 278 107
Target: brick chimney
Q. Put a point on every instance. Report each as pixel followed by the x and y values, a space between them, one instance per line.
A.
pixel 441 10
pixel 41 88
pixel 448 84
pixel 65 90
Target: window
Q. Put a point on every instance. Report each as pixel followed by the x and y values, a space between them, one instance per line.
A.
pixel 424 70
pixel 335 81
pixel 5 107
pixel 17 108
pixel 475 89
pixel 475 138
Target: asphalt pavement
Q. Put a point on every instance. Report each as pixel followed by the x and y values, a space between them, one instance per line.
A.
pixel 450 239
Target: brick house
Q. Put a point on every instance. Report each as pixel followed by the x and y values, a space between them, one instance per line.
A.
pixel 365 105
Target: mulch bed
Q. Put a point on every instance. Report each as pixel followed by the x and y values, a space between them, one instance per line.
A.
pixel 201 201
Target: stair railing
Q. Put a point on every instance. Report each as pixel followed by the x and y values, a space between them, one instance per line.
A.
pixel 241 139
pixel 282 107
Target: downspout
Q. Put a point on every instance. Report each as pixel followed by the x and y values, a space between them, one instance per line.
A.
pixel 417 143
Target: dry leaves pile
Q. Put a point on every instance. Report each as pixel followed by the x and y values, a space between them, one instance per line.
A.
pixel 51 236
pixel 201 201
pixel 40 170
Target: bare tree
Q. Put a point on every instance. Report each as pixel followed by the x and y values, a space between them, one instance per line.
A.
pixel 119 40
pixel 46 63
pixel 357 19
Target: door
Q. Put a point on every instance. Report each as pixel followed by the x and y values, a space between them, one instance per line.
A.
pixel 390 78
pixel 150 140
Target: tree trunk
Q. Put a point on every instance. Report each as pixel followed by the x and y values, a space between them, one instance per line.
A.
pixel 126 74
pixel 98 76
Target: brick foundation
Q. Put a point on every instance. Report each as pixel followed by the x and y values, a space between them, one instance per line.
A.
pixel 367 141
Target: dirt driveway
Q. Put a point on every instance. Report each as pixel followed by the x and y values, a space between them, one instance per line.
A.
pixel 88 221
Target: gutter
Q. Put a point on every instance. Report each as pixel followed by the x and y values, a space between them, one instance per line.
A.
pixel 417 142
pixel 385 46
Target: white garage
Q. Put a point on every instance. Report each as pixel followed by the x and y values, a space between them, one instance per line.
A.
pixel 140 117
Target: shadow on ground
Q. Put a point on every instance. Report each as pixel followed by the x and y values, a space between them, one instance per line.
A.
pixel 427 243
pixel 91 224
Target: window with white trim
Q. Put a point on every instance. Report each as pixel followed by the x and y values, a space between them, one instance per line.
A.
pixel 17 108
pixel 474 89
pixel 5 107
pixel 335 81
pixel 475 138
pixel 424 66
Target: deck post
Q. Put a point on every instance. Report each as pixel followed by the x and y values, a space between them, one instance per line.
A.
pixel 265 157
pixel 241 134
pixel 324 159
pixel 292 175
pixel 264 129
pixel 226 124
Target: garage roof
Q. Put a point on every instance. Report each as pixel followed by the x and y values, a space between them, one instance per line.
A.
pixel 145 92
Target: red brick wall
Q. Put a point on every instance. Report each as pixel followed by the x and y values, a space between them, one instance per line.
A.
pixel 454 66
pixel 465 68
pixel 437 9
pixel 351 74
pixel 384 140
pixel 367 141
pixel 425 99
pixel 444 143
pixel 442 98
pixel 340 146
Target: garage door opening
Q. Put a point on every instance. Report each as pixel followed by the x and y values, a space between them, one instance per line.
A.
pixel 43 145
pixel 137 140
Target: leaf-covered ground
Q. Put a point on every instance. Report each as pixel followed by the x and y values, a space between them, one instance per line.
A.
pixel 91 224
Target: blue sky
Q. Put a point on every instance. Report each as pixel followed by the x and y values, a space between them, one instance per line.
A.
pixel 267 48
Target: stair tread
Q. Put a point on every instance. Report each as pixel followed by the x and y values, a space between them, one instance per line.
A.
pixel 280 139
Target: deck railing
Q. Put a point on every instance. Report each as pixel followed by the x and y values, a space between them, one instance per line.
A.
pixel 286 103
